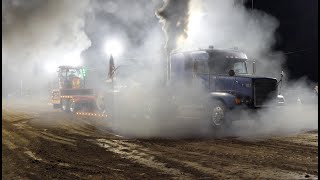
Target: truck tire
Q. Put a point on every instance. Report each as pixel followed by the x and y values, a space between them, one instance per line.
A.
pixel 65 105
pixel 218 116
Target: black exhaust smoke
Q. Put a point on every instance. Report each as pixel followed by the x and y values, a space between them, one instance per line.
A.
pixel 173 15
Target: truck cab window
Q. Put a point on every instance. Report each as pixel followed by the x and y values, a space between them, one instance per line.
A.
pixel 240 67
pixel 201 67
pixel 218 66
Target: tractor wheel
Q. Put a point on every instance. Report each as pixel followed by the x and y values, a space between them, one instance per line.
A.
pixel 74 107
pixel 65 105
pixel 100 104
pixel 56 106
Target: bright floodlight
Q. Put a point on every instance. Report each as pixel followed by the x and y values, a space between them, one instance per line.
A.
pixel 74 62
pixel 113 47
pixel 72 59
pixel 51 67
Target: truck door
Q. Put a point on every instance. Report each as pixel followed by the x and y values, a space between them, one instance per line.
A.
pixel 217 75
pixel 200 69
pixel 215 83
pixel 201 73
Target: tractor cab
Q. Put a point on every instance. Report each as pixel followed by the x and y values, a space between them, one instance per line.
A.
pixel 72 94
pixel 71 77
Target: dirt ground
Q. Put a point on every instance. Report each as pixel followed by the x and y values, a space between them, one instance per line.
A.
pixel 49 144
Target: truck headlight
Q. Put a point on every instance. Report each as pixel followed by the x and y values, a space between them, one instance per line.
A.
pixel 280 99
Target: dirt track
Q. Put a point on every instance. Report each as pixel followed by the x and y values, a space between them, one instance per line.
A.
pixel 49 144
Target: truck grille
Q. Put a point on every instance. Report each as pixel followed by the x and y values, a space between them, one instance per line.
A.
pixel 264 90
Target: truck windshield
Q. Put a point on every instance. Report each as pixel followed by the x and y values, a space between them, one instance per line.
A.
pixel 239 67
pixel 222 66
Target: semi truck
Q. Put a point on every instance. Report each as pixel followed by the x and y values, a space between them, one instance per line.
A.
pixel 224 76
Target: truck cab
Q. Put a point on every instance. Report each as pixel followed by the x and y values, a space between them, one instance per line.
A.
pixel 224 77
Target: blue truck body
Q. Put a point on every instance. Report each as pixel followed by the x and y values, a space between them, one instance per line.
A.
pixel 212 66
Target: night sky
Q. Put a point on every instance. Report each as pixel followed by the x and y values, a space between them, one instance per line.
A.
pixel 297 33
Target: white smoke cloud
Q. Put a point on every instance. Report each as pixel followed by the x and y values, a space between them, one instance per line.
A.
pixel 38 31
pixel 50 30
pixel 228 24
pixel 300 113
pixel 37 37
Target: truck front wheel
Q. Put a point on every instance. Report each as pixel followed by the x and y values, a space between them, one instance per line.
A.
pixel 218 115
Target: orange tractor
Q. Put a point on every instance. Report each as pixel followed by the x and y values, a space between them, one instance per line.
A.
pixel 72 95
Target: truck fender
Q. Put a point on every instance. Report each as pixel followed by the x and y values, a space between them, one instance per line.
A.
pixel 227 98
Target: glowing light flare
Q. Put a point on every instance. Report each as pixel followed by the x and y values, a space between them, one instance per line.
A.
pixel 51 67
pixel 181 41
pixel 113 47
pixel 194 23
pixel 72 59
pixel 196 16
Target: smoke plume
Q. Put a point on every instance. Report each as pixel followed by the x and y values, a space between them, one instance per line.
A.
pixel 43 31
pixel 37 37
pixel 38 31
pixel 174 15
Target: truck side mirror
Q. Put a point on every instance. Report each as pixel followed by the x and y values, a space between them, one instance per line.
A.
pixel 231 72
pixel 280 81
